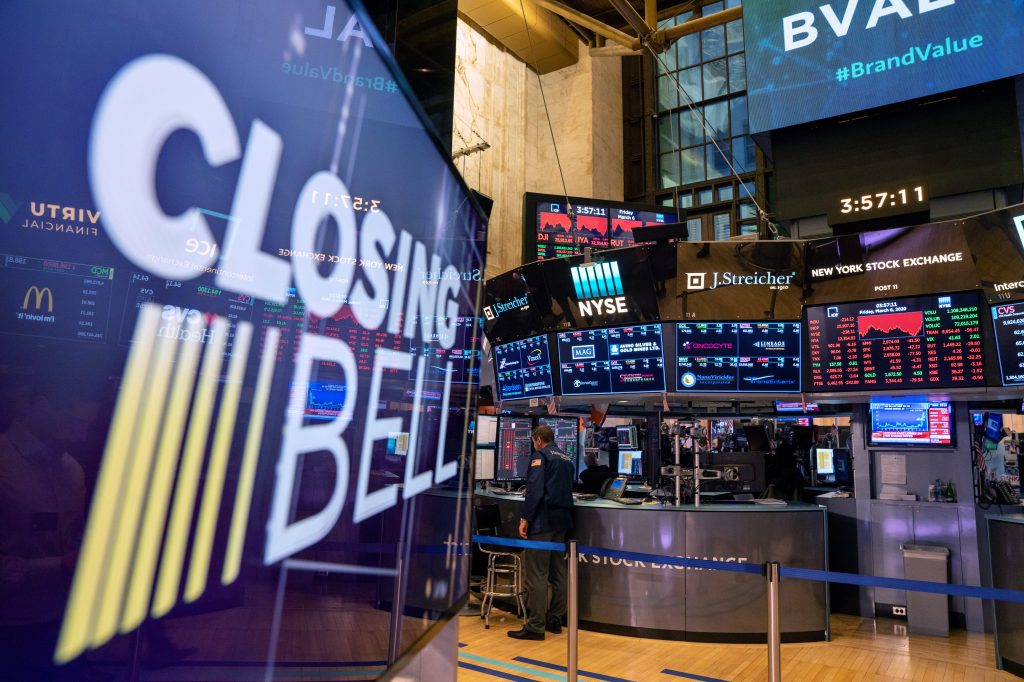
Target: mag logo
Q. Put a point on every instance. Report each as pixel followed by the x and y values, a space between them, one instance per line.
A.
pixel 598 289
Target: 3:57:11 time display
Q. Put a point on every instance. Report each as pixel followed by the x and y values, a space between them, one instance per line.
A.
pixel 904 196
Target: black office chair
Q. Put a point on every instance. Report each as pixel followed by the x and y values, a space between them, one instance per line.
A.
pixel 504 576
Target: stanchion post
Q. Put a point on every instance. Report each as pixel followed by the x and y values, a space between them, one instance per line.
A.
pixel 771 571
pixel 572 659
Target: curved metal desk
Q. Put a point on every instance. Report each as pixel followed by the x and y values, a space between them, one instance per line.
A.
pixel 667 602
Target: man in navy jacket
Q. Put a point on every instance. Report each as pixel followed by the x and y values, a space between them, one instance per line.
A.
pixel 546 516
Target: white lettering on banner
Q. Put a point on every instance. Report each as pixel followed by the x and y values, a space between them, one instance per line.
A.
pixel 891 264
pixel 124 147
pixel 351 28
pixel 798 30
pixel 605 306
pixel 600 560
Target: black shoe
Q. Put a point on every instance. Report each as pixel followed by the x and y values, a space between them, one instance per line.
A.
pixel 554 626
pixel 525 634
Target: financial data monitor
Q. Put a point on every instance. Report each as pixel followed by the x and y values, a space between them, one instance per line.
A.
pixel 514 448
pixel 567 435
pixel 484 464
pixel 631 463
pixel 626 436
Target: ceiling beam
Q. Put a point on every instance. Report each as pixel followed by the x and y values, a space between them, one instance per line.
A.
pixel 699 24
pixel 614 34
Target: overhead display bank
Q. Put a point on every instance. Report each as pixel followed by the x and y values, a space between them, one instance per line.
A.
pixel 896 309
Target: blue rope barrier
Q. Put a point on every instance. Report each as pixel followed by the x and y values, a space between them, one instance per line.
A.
pixel 973 591
pixel 516 542
pixel 954 590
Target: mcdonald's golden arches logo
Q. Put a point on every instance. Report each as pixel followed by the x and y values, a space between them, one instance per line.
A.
pixel 39 294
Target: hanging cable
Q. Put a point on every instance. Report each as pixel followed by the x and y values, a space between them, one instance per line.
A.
pixel 551 129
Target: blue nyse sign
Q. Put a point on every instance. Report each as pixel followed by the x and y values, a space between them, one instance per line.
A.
pixel 809 59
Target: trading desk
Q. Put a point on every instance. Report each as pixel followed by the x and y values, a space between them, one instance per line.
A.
pixel 1006 550
pixel 667 602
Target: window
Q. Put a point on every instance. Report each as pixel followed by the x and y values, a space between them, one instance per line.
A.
pixel 701 100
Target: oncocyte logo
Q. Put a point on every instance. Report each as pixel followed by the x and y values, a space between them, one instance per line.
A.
pixel 599 288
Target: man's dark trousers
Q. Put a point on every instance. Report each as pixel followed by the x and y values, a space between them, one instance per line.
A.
pixel 542 566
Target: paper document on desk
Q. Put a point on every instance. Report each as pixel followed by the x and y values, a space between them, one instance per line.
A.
pixel 770 501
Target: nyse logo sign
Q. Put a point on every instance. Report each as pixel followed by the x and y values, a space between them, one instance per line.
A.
pixel 599 289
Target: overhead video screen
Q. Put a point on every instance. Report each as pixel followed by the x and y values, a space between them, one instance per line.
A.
pixel 922 342
pixel 557 230
pixel 616 360
pixel 238 337
pixel 755 357
pixel 808 60
pixel 911 421
pixel 1008 323
pixel 523 368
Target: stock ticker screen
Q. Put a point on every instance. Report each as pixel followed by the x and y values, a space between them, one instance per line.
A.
pixel 57 299
pixel 738 356
pixel 1008 323
pixel 514 448
pixel 566 430
pixel 523 368
pixel 911 421
pixel 591 223
pixel 614 360
pixel 927 341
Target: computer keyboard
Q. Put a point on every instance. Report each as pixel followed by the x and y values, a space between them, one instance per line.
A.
pixel 629 500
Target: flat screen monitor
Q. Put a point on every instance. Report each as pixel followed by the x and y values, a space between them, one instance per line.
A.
pixel 1008 324
pixel 757 438
pixel 752 357
pixel 484 464
pixel 843 466
pixel 911 421
pixel 631 463
pixel 552 230
pixel 626 436
pixel 567 434
pixel 613 360
pixel 522 369
pixel 824 462
pixel 783 407
pixel 514 448
pixel 993 426
pixel 921 342
pixel 486 431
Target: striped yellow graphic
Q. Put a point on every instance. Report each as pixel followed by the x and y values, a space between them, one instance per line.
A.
pixel 155 451
pixel 202 548
pixel 247 475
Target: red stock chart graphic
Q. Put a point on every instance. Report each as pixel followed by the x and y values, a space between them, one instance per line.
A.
pixel 923 342
pixel 890 325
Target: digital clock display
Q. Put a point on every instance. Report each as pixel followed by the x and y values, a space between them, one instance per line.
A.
pixel 878 203
pixel 922 342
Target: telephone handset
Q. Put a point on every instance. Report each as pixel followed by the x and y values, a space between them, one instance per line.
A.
pixel 614 488
pixel 1004 492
